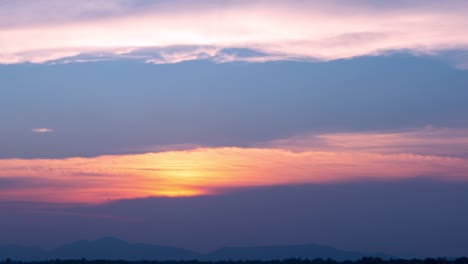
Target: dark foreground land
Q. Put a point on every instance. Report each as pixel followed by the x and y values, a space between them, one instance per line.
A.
pixel 365 260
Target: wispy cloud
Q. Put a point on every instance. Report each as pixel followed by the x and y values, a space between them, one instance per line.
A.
pixel 42 130
pixel 281 30
pixel 323 158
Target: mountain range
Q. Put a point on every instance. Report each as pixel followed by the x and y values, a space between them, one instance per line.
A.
pixel 116 249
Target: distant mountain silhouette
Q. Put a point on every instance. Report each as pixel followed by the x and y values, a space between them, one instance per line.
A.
pixel 310 251
pixel 104 248
pixel 116 249
pixel 113 248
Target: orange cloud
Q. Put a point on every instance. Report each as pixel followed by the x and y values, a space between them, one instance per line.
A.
pixel 324 158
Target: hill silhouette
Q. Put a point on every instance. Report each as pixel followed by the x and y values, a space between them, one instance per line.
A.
pixel 310 251
pixel 115 249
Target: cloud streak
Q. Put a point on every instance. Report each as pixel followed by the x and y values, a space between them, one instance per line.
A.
pixel 324 158
pixel 42 130
pixel 281 30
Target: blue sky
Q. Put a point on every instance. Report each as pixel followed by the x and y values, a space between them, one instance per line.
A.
pixel 122 106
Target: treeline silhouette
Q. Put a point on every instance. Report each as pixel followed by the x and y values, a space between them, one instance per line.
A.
pixel 365 260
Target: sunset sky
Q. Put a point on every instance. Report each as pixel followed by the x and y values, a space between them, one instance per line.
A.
pixel 117 111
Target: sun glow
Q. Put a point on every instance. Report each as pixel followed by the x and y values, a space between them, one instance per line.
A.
pixel 326 158
pixel 180 193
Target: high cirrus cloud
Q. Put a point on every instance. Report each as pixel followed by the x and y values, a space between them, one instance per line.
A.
pixel 174 31
pixel 322 158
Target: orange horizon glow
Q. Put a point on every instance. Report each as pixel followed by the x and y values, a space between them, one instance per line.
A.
pixel 326 158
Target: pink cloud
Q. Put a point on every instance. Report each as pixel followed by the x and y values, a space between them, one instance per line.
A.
pixel 323 30
pixel 42 130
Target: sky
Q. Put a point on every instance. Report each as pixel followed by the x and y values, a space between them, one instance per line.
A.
pixel 239 122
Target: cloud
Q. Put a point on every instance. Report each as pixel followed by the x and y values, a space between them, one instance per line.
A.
pixel 318 30
pixel 42 130
pixel 167 55
pixel 322 158
pixel 426 141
